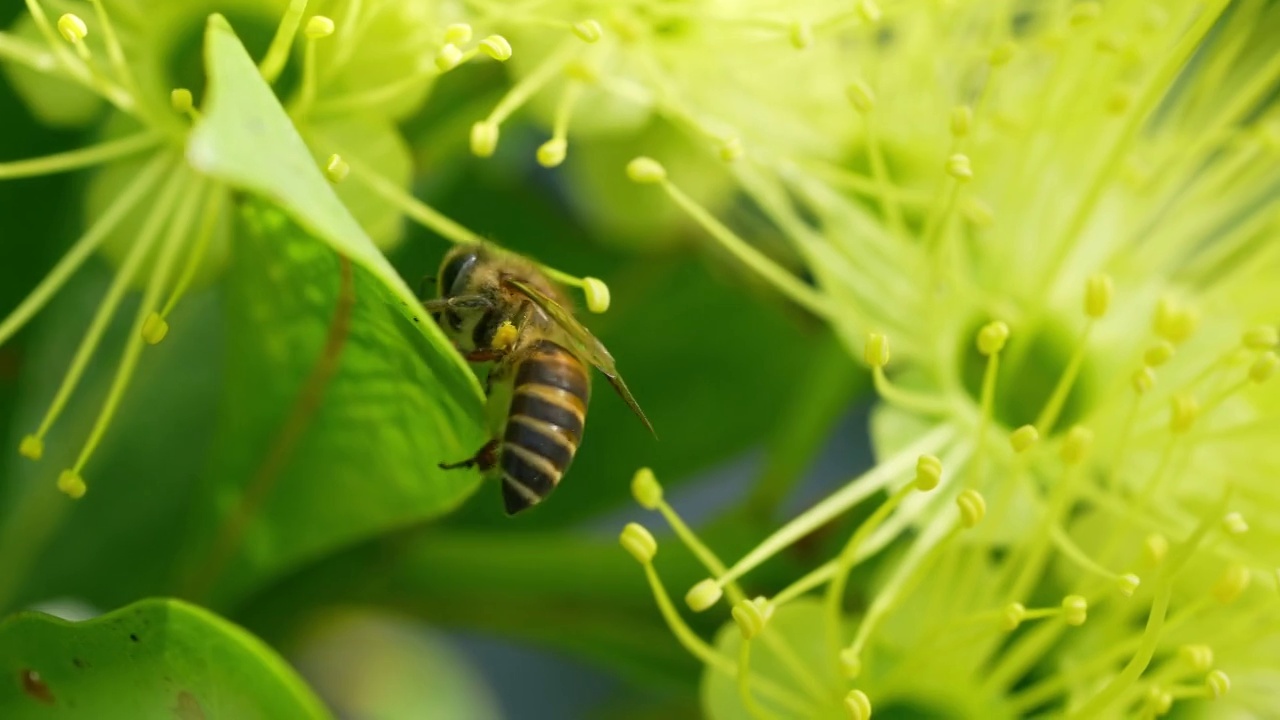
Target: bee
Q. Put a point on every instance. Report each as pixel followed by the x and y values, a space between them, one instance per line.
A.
pixel 497 307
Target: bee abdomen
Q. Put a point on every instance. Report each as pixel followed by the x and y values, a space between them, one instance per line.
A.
pixel 544 424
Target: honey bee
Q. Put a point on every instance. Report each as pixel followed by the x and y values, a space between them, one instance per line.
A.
pixel 497 307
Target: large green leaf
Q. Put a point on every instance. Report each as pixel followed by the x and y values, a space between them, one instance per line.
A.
pixel 247 140
pixel 334 417
pixel 155 658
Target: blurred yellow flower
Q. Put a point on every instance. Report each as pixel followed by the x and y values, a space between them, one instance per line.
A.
pixel 1054 241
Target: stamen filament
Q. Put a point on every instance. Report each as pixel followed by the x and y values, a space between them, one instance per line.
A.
pixel 1053 406
pixel 530 84
pixel 208 224
pixel 80 157
pixel 707 654
pixel 744 684
pixel 428 217
pixel 179 224
pixel 846 497
pixel 903 398
pixel 786 283
pixel 834 599
pixel 278 52
pixel 115 292
pixel 81 250
pixel 115 53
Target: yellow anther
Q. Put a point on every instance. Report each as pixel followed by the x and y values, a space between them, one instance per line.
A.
pixel 857 706
pixel 496 47
pixel 1075 610
pixel 869 11
pixel 1159 701
pixel 1263 337
pixel 1085 13
pixel 992 337
pixel 801 34
pixel 1264 367
pixel 928 473
pixel 72 28
pixel 1023 438
pixel 154 329
pixel 1002 54
pixel 458 34
pixel 1119 100
pixel 31 447
pixel 1113 43
pixel 1233 581
pixel 1217 683
pixel 1144 379
pixel 1234 523
pixel 703 595
pixel 1173 322
pixel 1128 584
pixel 751 616
pixel 639 542
pixel 552 152
pixel 582 71
pixel 961 120
pixel 1075 446
pixel 336 169
pixel 877 350
pixel 1185 410
pixel 1158 354
pixel 448 57
pixel 72 484
pixel 597 294
pixel 1154 549
pixel 505 336
pixel 861 96
pixel 958 167
pixel 645 489
pixel 646 170
pixel 484 138
pixel 973 507
pixel 588 31
pixel 1012 616
pixel 318 27
pixel 1097 295
pixel 731 149
pixel 181 101
pixel 977 212
pixel 850 663
pixel 1197 657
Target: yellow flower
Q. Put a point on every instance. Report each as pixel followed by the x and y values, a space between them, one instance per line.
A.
pixel 346 71
pixel 1071 316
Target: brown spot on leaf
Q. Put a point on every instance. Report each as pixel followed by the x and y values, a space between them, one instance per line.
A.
pixel 133 637
pixel 188 708
pixel 79 663
pixel 35 687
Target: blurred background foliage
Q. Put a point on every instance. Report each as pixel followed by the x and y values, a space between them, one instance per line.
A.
pixel 741 388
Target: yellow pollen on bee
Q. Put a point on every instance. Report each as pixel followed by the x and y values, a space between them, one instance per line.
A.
pixel 505 336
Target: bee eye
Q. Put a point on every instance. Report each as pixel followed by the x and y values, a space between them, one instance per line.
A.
pixel 456 270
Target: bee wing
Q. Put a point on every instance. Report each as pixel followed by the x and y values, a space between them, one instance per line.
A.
pixel 594 351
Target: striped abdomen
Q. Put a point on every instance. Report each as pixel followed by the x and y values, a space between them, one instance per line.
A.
pixel 544 424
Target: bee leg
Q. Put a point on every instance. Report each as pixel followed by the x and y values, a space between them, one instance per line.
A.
pixel 458 302
pixel 484 355
pixel 485 458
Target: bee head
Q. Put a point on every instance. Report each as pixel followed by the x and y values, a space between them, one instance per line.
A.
pixel 456 269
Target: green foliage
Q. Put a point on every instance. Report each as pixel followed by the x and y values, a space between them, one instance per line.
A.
pixel 336 412
pixel 155 658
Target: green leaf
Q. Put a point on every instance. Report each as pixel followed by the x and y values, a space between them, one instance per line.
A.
pixel 336 411
pixel 247 140
pixel 154 658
